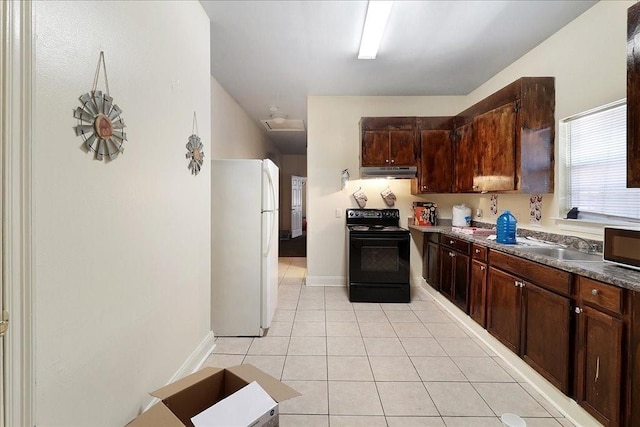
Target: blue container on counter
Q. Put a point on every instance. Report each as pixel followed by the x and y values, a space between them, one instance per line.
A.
pixel 506 228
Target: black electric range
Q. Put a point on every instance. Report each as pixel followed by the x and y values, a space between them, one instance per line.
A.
pixel 377 256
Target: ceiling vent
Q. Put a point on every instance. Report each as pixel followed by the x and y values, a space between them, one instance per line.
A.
pixel 284 126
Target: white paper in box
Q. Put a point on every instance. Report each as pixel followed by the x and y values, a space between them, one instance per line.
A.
pixel 249 406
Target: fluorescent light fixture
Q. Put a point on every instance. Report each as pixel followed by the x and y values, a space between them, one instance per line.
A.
pixel 374 25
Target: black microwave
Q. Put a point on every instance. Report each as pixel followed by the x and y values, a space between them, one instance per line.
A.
pixel 622 246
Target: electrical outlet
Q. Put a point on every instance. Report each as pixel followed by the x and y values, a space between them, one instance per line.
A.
pixel 338 213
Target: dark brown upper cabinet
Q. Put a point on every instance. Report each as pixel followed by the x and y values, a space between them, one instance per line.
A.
pixel 466 161
pixel 633 96
pixel 503 143
pixel 494 140
pixel 435 165
pixel 512 139
pixel 388 141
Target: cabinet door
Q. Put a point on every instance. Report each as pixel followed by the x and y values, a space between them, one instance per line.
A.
pixel 494 140
pixel 402 148
pixel 478 292
pixel 633 96
pixel 466 159
pixel 446 272
pixel 434 265
pixel 435 168
pixel 461 281
pixel 599 365
pixel 503 308
pixel 545 341
pixel 375 148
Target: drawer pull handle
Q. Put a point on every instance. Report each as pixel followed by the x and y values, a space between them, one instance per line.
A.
pixel 597 369
pixel 594 292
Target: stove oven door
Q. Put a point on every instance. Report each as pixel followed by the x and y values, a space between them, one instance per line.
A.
pixel 379 257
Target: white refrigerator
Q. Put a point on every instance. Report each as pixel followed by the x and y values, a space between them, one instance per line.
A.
pixel 244 246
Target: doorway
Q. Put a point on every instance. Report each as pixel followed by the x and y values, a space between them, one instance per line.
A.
pixel 296 206
pixel 293 242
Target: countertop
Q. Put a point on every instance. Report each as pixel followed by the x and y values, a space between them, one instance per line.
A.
pixel 598 270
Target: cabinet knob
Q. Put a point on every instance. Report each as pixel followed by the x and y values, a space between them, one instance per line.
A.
pixel 594 292
pixel 386 161
pixel 482 267
pixel 451 254
pixel 393 161
pixel 477 251
pixel 424 187
pixel 451 242
pixel 578 310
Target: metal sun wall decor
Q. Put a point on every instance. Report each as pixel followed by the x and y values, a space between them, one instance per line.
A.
pixel 99 121
pixel 195 149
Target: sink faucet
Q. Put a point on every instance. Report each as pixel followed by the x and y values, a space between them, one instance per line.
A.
pixel 590 248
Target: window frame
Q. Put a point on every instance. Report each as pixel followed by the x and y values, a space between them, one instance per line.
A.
pixel 590 223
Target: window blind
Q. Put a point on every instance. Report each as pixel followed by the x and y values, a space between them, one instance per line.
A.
pixel 597 163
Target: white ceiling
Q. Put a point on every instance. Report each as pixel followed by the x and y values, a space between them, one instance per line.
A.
pixel 279 52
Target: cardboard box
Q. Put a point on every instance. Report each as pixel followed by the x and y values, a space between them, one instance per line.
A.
pixel 189 396
pixel 425 213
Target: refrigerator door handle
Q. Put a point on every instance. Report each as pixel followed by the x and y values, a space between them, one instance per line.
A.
pixel 268 246
pixel 272 189
pixel 270 209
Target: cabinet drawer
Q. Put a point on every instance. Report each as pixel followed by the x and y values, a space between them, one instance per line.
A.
pixel 548 277
pixel 457 244
pixel 479 252
pixel 601 294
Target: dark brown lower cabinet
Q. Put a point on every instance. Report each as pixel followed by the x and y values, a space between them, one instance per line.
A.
pixel 533 323
pixel 431 259
pixel 546 337
pixel 454 277
pixel 599 365
pixel 446 272
pixel 478 284
pixel 478 292
pixel 504 308
pixel 580 334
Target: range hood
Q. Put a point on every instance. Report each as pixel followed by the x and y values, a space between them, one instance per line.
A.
pixel 398 172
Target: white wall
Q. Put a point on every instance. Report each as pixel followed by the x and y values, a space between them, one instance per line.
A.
pixel 588 59
pixel 235 135
pixel 122 249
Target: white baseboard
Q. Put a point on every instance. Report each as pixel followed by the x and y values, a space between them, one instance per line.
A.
pixel 193 362
pixel 564 404
pixel 326 281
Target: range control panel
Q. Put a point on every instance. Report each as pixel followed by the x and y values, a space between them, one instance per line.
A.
pixel 373 216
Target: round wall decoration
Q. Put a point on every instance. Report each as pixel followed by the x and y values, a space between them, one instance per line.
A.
pixel 99 120
pixel 195 149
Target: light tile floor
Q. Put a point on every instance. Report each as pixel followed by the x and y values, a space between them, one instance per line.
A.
pixel 359 364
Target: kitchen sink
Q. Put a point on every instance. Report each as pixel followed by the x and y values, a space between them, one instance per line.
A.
pixel 563 254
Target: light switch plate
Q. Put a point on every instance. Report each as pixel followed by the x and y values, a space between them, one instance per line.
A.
pixel 338 213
